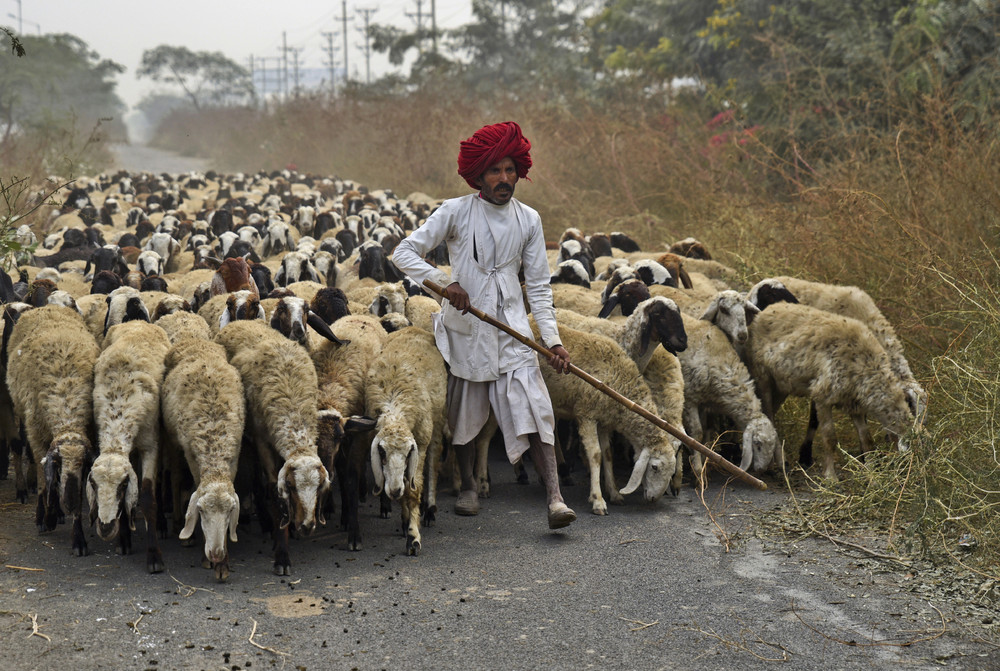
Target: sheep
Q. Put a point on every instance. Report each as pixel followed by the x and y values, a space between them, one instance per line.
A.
pixel 50 374
pixel 717 380
pixel 690 248
pixel 181 324
pixel 280 386
pixel 849 301
pixel 150 263
pixel 168 249
pixel 204 414
pixel 419 311
pixel 292 316
pixel 406 392
pixel 597 415
pixel 124 305
pixel 342 372
pixel 571 272
pixel 835 361
pixel 295 266
pixel 233 275
pixel 226 308
pixel 578 299
pixel 127 377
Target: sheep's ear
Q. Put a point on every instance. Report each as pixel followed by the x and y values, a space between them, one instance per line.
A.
pixel 358 424
pixel 684 277
pixel 609 307
pixel 224 319
pixel 377 468
pixel 412 467
pixel 645 338
pixel 131 497
pixel 637 472
pixel 191 517
pixel 234 518
pixel 322 328
pixel 712 310
pixel 751 311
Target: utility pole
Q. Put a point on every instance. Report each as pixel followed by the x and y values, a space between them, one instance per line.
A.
pixel 419 20
pixel 366 50
pixel 330 50
pixel 344 18
pixel 284 64
pixel 253 72
pixel 434 27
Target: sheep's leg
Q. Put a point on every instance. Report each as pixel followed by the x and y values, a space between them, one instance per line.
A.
pixel 607 468
pixel 565 442
pixel 592 452
pixel 24 463
pixel 806 448
pixel 692 425
pixel 677 480
pixel 347 465
pixel 410 505
pixel 79 538
pixel 149 451
pixel 430 491
pixel 5 458
pixel 864 435
pixel 825 430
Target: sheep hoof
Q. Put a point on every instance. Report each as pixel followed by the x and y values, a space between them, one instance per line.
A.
pixel 412 546
pixel 617 499
pixel 221 572
pixel 484 490
pixel 600 508
pixel 206 562
pixel 154 562
pixel 354 541
pixel 22 495
pixel 80 548
pixel 430 515
pixel 282 569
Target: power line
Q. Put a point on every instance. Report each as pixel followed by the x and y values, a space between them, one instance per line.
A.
pixel 330 49
pixel 344 18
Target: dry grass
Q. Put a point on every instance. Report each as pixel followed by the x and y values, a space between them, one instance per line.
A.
pixel 912 217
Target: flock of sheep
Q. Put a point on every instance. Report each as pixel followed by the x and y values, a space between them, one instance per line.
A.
pixel 237 342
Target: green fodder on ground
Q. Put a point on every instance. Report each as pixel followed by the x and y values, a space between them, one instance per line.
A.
pixel 910 214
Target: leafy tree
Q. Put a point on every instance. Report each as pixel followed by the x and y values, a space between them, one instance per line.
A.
pixel 61 82
pixel 204 77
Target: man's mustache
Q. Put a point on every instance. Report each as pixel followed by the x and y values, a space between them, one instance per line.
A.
pixel 503 187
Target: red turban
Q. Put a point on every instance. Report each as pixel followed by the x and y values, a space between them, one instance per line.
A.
pixel 492 144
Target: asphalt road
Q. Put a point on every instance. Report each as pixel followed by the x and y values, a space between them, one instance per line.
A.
pixel 647 587
pixel 674 585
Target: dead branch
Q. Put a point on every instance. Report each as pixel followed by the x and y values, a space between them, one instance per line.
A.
pixel 35 627
pixel 258 645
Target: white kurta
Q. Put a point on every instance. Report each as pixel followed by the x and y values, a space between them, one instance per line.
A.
pixel 488 245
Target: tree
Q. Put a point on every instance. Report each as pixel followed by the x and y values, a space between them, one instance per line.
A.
pixel 61 82
pixel 204 76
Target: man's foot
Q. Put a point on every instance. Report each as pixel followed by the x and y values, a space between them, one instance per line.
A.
pixel 468 503
pixel 560 515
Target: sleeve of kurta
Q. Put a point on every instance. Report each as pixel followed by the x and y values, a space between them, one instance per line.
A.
pixel 409 254
pixel 535 264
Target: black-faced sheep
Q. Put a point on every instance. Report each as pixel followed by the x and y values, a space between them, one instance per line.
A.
pixel 50 374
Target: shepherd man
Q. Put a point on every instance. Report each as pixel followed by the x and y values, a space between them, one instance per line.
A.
pixel 491 237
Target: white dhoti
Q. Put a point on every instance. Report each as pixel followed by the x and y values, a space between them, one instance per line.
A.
pixel 520 403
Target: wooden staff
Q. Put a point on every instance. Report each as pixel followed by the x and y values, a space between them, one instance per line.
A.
pixel 716 459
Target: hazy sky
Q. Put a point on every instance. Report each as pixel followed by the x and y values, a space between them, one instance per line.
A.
pixel 121 30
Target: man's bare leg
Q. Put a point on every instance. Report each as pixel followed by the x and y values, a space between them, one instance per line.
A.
pixel 544 458
pixel 468 497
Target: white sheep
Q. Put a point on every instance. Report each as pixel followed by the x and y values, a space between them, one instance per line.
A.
pixel 716 380
pixel 127 377
pixel 597 415
pixel 280 387
pixel 797 350
pixel 848 301
pixel 204 413
pixel 50 375
pixel 406 393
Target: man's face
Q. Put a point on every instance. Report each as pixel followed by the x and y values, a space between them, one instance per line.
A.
pixel 497 183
